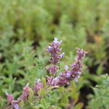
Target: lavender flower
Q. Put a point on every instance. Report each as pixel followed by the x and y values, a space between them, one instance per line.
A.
pixel 25 93
pixel 51 81
pixel 68 75
pixel 14 103
pixel 10 98
pixel 24 96
pixel 38 86
pixel 80 54
pixel 54 50
pixel 77 65
pixel 53 69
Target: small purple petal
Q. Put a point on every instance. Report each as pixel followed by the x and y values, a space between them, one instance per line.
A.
pixel 10 98
pixel 53 69
pixel 38 86
pixel 66 67
pixel 16 106
pixel 25 93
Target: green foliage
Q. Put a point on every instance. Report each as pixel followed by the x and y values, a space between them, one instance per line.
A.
pixel 56 98
pixel 20 68
pixel 26 27
pixel 100 99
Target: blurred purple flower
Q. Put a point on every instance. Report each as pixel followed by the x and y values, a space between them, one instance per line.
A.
pixel 77 65
pixel 66 67
pixel 15 106
pixel 38 86
pixel 68 75
pixel 54 50
pixel 49 80
pixel 52 81
pixel 14 103
pixel 25 93
pixel 52 69
pixel 10 98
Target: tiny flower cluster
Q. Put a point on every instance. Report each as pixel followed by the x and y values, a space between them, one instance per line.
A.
pixel 69 74
pixel 72 73
pixel 14 103
pixel 55 51
pixel 25 93
pixel 38 86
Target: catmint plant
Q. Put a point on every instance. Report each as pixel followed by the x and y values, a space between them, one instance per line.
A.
pixel 70 73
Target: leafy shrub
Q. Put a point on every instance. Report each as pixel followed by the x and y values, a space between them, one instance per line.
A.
pixel 32 23
pixel 52 91
pixel 20 67
pixel 100 99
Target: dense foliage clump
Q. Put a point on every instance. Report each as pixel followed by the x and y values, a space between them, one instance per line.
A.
pixel 26 27
pixel 47 85
pixel 100 98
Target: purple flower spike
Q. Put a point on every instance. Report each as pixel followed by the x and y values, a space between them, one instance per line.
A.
pixel 55 51
pixel 77 65
pixel 81 53
pixel 68 75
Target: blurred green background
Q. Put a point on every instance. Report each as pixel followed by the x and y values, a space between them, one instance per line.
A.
pixel 28 26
